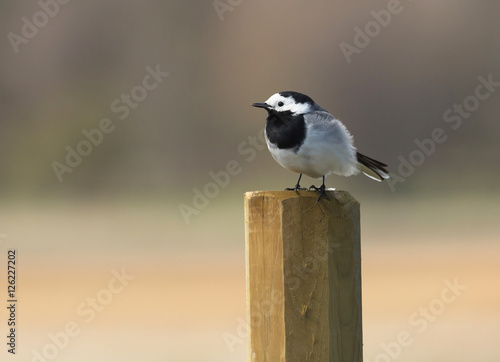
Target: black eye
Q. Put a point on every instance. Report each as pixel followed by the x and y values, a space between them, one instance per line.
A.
pixel 280 104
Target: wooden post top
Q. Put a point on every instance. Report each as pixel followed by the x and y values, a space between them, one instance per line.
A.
pixel 340 196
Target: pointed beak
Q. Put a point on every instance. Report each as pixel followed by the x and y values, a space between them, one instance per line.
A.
pixel 261 105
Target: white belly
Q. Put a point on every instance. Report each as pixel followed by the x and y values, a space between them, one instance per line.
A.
pixel 317 158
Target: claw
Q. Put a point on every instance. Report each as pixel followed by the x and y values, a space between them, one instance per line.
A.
pixel 322 191
pixel 297 186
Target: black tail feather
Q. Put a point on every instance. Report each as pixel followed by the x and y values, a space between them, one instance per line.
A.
pixel 379 168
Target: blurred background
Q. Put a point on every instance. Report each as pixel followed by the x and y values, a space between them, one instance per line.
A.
pixel 125 200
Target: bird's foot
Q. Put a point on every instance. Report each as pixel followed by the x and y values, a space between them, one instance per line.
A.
pixel 296 188
pixel 322 192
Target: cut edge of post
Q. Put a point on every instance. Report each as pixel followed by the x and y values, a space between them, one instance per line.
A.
pixel 341 196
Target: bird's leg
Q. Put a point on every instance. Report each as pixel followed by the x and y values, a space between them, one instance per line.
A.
pixel 297 187
pixel 321 189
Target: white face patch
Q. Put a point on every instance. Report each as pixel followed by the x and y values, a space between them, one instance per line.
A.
pixel 283 104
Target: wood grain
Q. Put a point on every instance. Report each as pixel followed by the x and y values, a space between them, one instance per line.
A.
pixel 303 265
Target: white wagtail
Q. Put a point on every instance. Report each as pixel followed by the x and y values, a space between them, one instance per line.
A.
pixel 303 137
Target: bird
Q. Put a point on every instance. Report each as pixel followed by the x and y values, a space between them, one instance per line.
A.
pixel 305 138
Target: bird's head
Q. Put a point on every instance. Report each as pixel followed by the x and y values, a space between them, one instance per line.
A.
pixel 292 103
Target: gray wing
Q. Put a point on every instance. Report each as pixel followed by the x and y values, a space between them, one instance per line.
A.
pixel 325 127
pixel 324 124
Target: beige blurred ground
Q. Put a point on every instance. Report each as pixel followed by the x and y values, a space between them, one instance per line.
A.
pixel 183 301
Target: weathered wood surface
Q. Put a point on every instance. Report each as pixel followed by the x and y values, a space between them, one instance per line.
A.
pixel 303 269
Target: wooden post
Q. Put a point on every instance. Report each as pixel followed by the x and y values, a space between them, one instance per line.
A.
pixel 303 270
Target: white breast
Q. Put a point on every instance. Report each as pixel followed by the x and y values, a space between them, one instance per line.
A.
pixel 327 149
